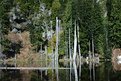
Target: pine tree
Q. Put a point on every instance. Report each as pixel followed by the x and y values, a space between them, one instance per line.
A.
pixel 115 24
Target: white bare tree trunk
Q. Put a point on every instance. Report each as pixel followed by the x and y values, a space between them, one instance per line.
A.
pixel 70 56
pixel 78 41
pixel 75 44
pixel 46 58
pixel 75 71
pixel 74 55
pixel 56 49
pixel 79 53
pixel 70 46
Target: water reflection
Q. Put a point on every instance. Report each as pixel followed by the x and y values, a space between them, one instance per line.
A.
pixel 75 71
pixel 103 71
pixel 116 65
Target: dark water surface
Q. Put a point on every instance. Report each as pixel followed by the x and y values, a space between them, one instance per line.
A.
pixel 103 71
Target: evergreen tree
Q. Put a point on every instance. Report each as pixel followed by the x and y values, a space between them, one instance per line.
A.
pixel 115 24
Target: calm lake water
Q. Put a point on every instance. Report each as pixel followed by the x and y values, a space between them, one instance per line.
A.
pixel 104 71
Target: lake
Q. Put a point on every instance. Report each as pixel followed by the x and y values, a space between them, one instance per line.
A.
pixel 103 71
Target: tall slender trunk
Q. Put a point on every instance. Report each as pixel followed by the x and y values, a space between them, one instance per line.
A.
pixel 90 69
pixel 74 55
pixel 56 50
pixel 75 71
pixel 78 41
pixel 70 47
pixel 70 56
pixel 46 58
pixel 93 71
pixel 90 56
pixel 75 44
pixel 15 60
pixel 46 53
pixel 53 56
pixel 79 53
pixel 93 47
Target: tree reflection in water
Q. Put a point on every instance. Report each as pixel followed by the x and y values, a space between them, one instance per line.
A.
pixel 104 71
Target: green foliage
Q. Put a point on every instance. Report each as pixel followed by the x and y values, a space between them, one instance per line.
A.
pixel 89 19
pixel 88 14
pixel 66 25
pixel 115 24
pixel 28 7
pixel 62 44
pixel 55 8
pixel 5 6
pixel 48 3
pixel 52 44
pixel 56 5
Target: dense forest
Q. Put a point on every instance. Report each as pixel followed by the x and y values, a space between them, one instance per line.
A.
pixel 29 27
